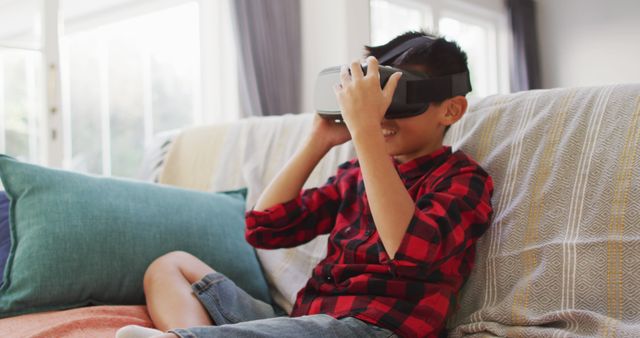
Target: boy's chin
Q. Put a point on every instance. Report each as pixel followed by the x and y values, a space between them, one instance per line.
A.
pixel 394 151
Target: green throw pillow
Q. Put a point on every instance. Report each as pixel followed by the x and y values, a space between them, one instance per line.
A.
pixel 81 240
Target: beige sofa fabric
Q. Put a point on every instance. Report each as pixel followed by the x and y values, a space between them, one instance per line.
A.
pixel 192 157
pixel 562 257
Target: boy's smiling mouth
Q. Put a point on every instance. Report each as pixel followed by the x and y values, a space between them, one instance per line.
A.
pixel 388 129
pixel 388 132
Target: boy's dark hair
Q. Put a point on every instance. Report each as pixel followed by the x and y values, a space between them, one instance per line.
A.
pixel 440 58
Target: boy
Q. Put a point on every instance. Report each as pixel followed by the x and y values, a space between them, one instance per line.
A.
pixel 399 250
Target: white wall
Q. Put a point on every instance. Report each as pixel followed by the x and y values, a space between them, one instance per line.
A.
pixel 334 32
pixel 589 42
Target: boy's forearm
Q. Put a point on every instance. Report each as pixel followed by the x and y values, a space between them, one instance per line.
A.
pixel 290 180
pixel 391 205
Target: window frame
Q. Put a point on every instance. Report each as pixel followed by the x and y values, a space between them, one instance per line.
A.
pixel 35 77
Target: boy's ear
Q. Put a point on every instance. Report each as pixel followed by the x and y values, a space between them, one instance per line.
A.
pixel 455 108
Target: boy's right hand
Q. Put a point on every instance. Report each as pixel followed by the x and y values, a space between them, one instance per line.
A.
pixel 326 133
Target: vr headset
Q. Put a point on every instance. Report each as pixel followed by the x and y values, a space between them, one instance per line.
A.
pixel 413 95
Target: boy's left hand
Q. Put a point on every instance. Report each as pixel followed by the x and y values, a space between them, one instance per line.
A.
pixel 362 101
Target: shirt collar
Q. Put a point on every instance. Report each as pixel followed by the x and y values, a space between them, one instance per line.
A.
pixel 424 164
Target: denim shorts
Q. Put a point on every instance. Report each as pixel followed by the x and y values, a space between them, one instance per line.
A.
pixel 237 314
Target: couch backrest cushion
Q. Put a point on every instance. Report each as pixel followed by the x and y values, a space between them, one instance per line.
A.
pixel 563 252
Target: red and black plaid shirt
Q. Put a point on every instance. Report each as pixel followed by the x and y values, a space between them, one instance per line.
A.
pixel 412 293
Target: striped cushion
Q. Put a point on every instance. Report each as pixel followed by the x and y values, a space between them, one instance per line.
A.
pixel 563 253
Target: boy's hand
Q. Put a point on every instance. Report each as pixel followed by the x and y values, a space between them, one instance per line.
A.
pixel 327 134
pixel 362 102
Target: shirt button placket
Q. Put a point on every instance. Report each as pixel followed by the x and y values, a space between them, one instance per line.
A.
pixel 349 252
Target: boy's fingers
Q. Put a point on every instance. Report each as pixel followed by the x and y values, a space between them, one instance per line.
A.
pixel 344 75
pixel 391 85
pixel 373 67
pixel 336 88
pixel 356 70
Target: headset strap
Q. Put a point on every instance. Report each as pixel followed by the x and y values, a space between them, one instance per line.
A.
pixel 438 88
pixel 405 46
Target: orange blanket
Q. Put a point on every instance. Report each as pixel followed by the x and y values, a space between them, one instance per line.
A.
pixel 86 322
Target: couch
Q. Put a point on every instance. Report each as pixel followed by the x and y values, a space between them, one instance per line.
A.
pixel 561 258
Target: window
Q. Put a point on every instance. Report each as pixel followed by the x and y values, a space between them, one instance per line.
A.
pixel 480 32
pixel 127 81
pixel 390 19
pixel 21 85
pixel 86 85
pixel 20 100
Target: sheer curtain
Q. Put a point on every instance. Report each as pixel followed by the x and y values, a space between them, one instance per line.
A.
pixel 525 63
pixel 268 33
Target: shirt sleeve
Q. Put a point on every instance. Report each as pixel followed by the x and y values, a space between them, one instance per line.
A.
pixel 446 222
pixel 297 221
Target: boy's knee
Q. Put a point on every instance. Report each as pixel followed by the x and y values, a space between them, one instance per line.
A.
pixel 175 263
pixel 164 265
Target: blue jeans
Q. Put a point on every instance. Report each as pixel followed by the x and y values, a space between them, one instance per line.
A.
pixel 237 314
